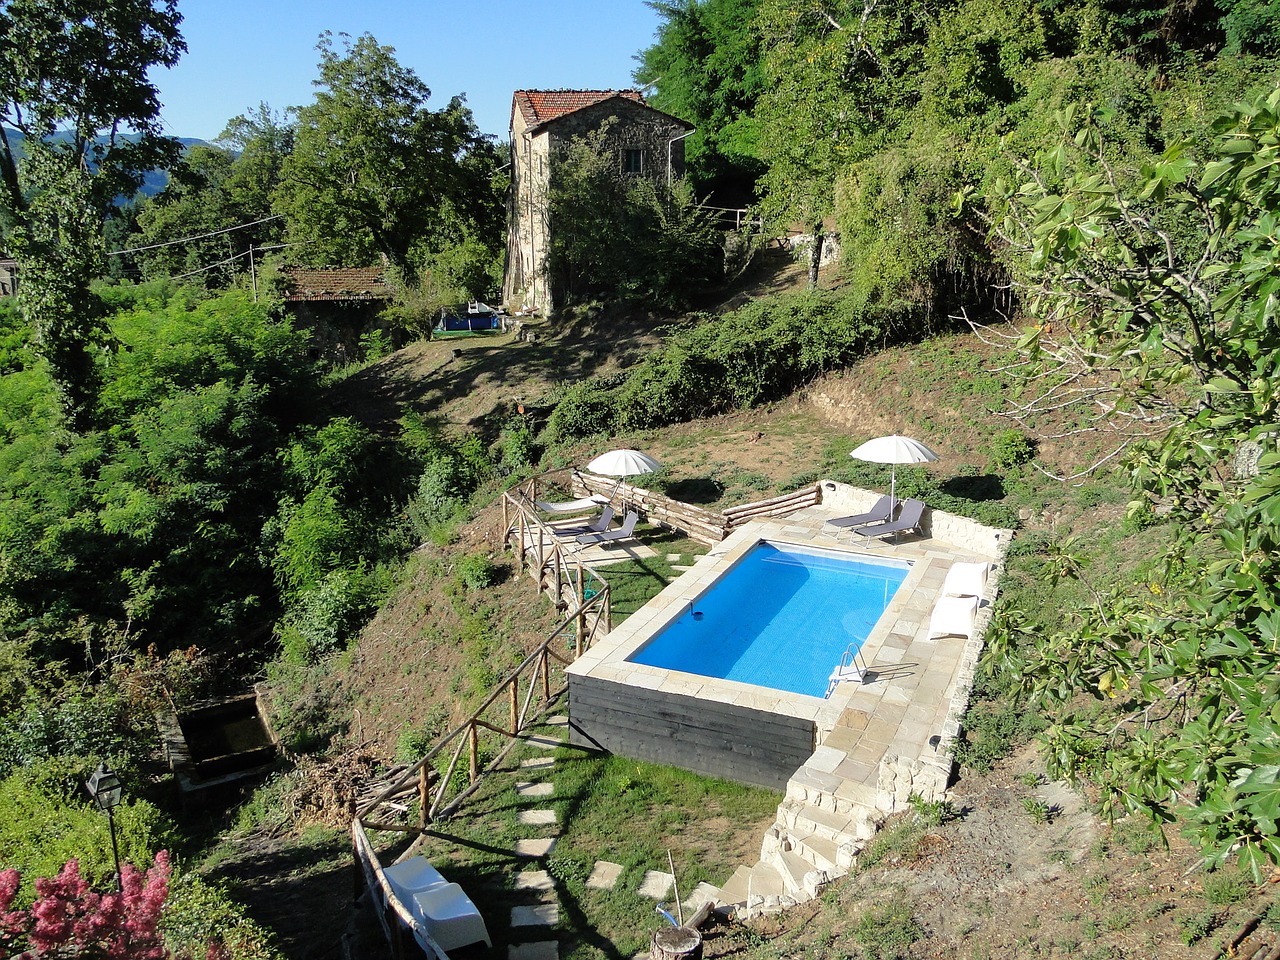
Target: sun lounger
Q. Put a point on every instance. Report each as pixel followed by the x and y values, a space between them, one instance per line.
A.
pixel 622 533
pixel 597 525
pixel 571 506
pixel 880 512
pixel 909 519
pixel 451 919
pixel 966 580
pixel 953 617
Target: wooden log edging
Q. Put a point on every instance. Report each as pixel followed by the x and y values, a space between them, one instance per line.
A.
pixel 780 505
pixel 695 522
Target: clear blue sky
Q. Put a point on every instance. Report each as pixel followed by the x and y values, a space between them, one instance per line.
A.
pixel 242 52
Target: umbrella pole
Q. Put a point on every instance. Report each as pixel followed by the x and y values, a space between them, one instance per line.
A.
pixel 893 489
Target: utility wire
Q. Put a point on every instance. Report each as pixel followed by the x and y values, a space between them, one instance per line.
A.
pixel 170 243
pixel 232 259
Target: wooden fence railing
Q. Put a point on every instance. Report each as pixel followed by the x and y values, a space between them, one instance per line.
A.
pixel 501 718
pixel 773 507
pixel 547 557
pixel 398 922
pixel 694 522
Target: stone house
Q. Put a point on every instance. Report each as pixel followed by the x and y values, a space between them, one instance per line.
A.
pixel 648 143
pixel 8 276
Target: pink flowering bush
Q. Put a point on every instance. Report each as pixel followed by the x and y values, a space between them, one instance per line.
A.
pixel 68 919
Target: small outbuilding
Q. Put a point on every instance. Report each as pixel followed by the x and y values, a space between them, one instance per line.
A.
pixel 339 304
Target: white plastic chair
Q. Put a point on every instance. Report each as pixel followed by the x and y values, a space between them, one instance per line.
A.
pixel 412 876
pixel 966 580
pixel 450 918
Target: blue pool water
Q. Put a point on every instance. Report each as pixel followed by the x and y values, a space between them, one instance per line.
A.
pixel 781 617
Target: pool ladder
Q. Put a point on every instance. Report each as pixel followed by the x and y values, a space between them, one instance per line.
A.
pixel 851 669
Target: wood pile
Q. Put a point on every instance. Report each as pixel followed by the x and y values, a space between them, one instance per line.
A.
pixel 324 791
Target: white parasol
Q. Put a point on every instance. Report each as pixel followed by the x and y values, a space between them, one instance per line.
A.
pixel 623 463
pixel 894 450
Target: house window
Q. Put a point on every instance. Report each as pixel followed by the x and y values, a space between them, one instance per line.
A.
pixel 632 161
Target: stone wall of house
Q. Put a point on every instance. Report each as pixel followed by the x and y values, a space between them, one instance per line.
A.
pixel 524 282
pixel 631 126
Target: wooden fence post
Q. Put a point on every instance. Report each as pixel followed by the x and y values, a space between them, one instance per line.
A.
pixel 546 676
pixel 475 752
pixel 426 780
pixel 514 688
pixel 358 887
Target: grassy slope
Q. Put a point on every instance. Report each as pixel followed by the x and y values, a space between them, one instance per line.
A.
pixel 1034 885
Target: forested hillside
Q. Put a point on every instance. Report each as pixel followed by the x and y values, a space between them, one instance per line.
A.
pixel 190 502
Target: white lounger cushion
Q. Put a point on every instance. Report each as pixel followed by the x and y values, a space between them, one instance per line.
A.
pixel 572 506
pixel 953 617
pixel 966 580
pixel 451 919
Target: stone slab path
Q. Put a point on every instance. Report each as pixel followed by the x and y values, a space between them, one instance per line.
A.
pixel 656 885
pixel 604 875
pixel 537 818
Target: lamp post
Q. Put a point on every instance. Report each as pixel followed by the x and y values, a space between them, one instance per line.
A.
pixel 105 788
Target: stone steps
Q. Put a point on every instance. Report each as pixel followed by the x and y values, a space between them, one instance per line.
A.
pixel 759 882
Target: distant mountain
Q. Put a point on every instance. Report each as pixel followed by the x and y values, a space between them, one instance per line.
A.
pixel 152 183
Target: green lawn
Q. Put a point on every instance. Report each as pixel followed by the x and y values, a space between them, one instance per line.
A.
pixel 608 808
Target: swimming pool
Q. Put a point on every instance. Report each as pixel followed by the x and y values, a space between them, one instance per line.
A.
pixel 780 618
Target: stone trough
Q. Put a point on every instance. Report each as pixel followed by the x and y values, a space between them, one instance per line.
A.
pixel 218 743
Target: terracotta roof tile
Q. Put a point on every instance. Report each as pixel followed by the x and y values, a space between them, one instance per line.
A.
pixel 336 283
pixel 541 106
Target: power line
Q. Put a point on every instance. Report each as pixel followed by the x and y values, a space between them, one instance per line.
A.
pixel 244 253
pixel 170 243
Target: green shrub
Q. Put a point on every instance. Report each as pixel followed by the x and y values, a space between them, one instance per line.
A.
pixel 198 913
pixel 587 408
pixel 375 344
pixel 328 616
pixel 49 820
pixel 1223 888
pixel 1194 927
pixel 1011 449
pixel 476 571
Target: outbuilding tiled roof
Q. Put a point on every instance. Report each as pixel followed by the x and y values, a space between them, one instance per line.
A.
pixel 335 283
pixel 541 106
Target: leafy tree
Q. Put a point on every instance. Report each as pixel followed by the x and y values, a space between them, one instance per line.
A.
pixel 66 75
pixel 631 239
pixel 157 519
pixel 211 190
pixel 839 77
pixel 194 201
pixel 373 171
pixel 1163 282
pixel 261 140
pixel 706 68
